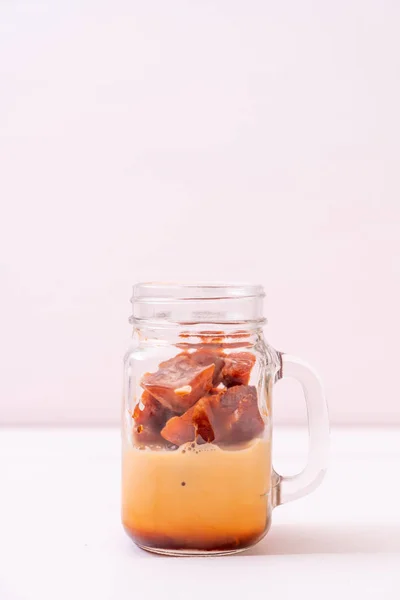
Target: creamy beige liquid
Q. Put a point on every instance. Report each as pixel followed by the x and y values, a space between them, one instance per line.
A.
pixel 200 497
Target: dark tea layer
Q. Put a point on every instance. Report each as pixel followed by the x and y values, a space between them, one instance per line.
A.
pixel 202 543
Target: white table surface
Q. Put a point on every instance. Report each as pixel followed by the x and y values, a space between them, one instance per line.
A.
pixel 60 535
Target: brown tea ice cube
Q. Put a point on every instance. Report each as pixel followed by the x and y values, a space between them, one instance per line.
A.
pixel 209 356
pixel 179 382
pixel 193 424
pixel 236 417
pixel 149 420
pixel 179 430
pixel 237 368
pixel 246 422
pixel 203 415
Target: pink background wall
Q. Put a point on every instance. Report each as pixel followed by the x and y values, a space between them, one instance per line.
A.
pixel 198 140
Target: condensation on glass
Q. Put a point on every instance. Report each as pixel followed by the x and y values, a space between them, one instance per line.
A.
pixel 197 476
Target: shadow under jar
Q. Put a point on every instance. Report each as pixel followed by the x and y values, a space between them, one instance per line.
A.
pixel 197 476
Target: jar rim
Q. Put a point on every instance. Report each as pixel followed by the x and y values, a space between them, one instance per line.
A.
pixel 154 291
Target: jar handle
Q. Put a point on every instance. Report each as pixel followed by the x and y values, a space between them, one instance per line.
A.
pixel 295 486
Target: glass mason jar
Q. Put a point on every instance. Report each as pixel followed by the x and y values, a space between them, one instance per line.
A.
pixel 197 476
